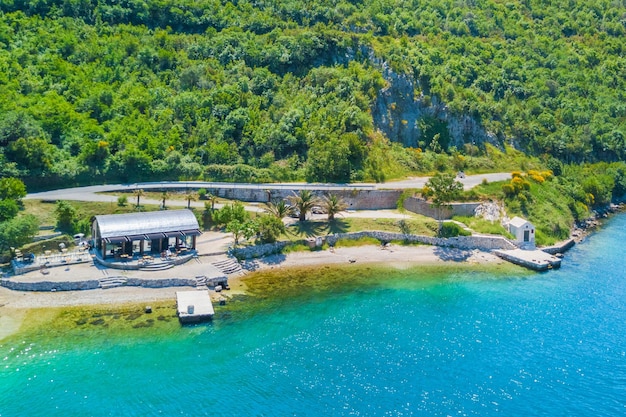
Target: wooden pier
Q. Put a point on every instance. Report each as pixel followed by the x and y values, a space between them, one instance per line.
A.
pixel 194 306
pixel 533 259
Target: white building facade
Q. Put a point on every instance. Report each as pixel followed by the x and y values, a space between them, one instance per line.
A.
pixel 523 231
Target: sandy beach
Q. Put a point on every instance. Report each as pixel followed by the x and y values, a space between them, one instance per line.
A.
pixel 14 304
pixel 396 255
pixel 399 256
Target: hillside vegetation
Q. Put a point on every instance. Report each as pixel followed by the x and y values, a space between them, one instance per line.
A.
pixel 98 91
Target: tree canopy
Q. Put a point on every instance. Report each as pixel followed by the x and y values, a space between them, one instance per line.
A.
pixel 103 90
pixel 442 190
pixel 14 230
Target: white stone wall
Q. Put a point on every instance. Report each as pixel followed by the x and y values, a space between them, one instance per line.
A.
pixel 94 284
pixel 485 243
pixel 51 286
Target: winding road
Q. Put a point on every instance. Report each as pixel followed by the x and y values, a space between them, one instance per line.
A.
pixel 93 192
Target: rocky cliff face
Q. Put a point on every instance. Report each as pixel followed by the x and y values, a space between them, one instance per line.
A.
pixel 398 111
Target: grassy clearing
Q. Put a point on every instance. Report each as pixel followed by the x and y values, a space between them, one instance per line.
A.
pixel 158 195
pixel 414 225
pixel 44 211
pixel 483 226
pixel 49 244
pixel 548 209
pixel 296 247
pixel 400 163
pixel 489 190
pixel 350 243
pixel 544 205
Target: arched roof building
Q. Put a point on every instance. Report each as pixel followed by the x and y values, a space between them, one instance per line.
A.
pixel 125 234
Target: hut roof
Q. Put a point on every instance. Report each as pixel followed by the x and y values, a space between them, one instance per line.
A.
pixel 150 225
pixel 518 222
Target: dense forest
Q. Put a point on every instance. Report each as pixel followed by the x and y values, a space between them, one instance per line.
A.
pixel 130 90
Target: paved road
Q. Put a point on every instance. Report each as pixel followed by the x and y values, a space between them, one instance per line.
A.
pixel 90 193
pixel 470 181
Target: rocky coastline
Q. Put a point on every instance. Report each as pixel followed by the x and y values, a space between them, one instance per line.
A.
pixel 587 226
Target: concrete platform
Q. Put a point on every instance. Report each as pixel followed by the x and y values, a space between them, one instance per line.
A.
pixel 90 275
pixel 533 259
pixel 194 306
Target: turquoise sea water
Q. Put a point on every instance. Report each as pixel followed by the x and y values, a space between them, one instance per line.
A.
pixel 466 344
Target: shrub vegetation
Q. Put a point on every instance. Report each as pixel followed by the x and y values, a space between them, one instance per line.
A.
pixel 102 90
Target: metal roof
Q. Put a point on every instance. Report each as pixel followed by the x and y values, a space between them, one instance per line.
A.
pixel 166 223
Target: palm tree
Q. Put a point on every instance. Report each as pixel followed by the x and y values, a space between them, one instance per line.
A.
pixel 303 202
pixel 164 196
pixel 279 208
pixel 190 196
pixel 207 215
pixel 138 192
pixel 213 199
pixel 332 204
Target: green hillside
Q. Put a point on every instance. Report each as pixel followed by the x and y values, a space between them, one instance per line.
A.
pixel 129 90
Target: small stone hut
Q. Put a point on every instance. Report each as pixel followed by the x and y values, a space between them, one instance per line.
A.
pixel 116 235
pixel 523 230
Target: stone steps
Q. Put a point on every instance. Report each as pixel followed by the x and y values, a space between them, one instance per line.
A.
pixel 156 267
pixel 201 281
pixel 112 282
pixel 228 266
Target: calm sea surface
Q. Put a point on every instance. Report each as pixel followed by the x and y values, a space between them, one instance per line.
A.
pixel 463 343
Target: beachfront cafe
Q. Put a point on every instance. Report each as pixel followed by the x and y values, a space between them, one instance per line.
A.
pixel 119 237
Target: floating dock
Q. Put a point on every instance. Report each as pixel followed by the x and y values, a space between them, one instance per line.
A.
pixel 533 259
pixel 194 306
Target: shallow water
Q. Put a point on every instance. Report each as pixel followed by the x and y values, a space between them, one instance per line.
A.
pixel 419 342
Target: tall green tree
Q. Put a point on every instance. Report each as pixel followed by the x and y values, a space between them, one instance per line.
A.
pixel 245 229
pixel 8 209
pixel 17 232
pixel 66 216
pixel 230 212
pixel 442 188
pixel 12 189
pixel 269 228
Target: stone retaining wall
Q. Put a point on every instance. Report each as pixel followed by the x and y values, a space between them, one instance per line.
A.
pixel 258 251
pixel 357 199
pixel 160 283
pixel 95 284
pixel 484 243
pixel 50 286
pixel 421 206
pixel 370 199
